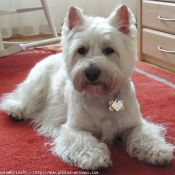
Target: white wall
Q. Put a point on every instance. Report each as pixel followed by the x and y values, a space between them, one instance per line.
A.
pixel 33 23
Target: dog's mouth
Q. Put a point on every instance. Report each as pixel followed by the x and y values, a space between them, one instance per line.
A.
pixel 95 88
pixel 92 83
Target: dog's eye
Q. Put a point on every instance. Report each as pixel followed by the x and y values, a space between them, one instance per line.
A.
pixel 108 51
pixel 82 51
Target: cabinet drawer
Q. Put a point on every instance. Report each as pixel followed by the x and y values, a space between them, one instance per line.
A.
pixel 153 39
pixel 150 12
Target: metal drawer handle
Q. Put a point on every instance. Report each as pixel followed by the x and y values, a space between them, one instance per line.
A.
pixel 165 19
pixel 167 51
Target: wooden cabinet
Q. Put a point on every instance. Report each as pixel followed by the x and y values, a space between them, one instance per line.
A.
pixel 156 32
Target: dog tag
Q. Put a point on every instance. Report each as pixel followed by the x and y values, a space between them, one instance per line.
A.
pixel 117 105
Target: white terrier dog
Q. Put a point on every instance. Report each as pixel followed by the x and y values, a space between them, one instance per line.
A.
pixel 83 97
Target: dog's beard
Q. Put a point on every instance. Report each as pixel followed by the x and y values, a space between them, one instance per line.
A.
pixel 101 87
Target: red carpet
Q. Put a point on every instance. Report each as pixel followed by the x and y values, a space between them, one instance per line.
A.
pixel 23 151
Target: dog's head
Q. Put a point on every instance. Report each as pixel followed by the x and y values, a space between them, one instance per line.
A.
pixel 99 52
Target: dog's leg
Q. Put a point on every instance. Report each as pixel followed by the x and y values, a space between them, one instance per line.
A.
pixel 81 149
pixel 28 97
pixel 147 143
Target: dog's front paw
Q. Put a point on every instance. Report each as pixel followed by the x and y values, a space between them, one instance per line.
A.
pixel 95 158
pixel 81 149
pixel 161 154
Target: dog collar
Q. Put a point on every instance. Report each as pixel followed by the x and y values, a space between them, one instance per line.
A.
pixel 116 105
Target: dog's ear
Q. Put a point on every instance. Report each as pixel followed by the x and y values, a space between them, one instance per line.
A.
pixel 121 19
pixel 75 17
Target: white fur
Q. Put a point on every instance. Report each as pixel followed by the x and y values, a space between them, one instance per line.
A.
pixel 64 105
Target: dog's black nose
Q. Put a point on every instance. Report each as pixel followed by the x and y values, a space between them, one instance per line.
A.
pixel 92 73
